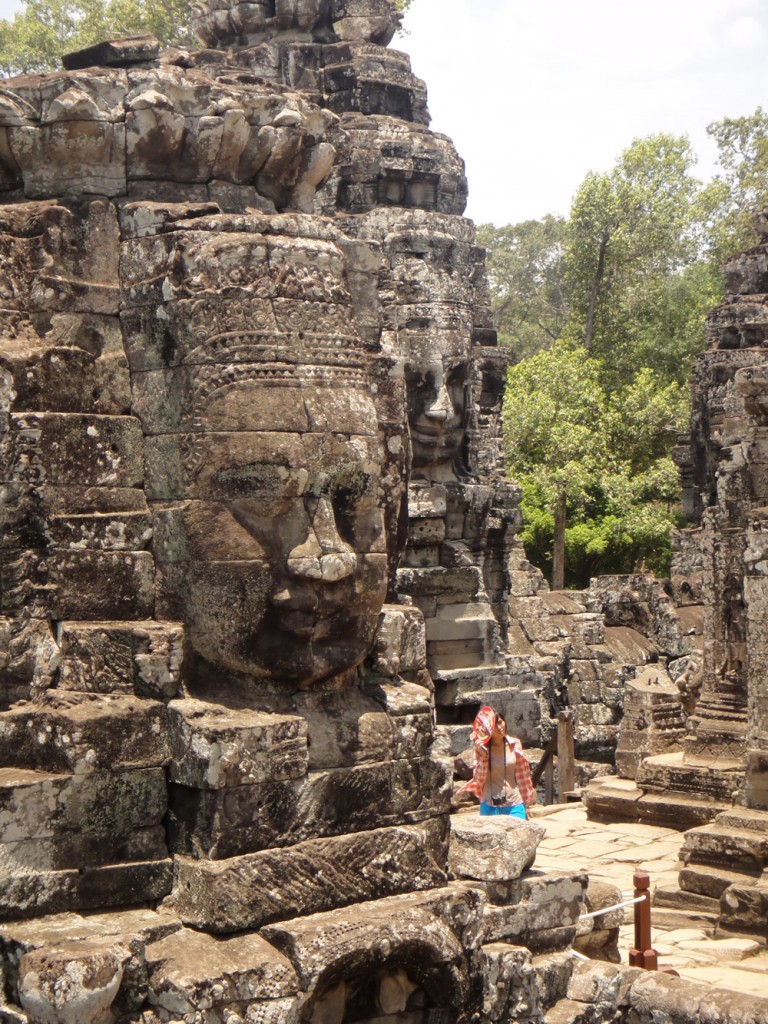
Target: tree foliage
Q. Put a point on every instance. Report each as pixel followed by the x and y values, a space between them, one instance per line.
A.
pixel 526 271
pixel 625 282
pixel 631 233
pixel 730 201
pixel 605 454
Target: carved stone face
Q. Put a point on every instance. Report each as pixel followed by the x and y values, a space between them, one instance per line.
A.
pixel 281 565
pixel 269 479
pixel 436 412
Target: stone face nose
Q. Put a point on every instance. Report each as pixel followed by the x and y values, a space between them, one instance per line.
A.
pixel 440 407
pixel 323 555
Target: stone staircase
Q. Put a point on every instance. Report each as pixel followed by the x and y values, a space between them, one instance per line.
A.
pixel 727 860
pixel 83 791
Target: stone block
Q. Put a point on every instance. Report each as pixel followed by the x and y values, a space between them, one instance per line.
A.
pixel 426 532
pixel 85 888
pixel 745 907
pixel 492 849
pixel 509 982
pixel 596 983
pixel 463 622
pixel 193 972
pixel 78 365
pixel 36 805
pixel 73 982
pixel 443 923
pixel 545 904
pixel 82 733
pixel 213 747
pixel 655 994
pixel 74 849
pixel 71 449
pixel 229 822
pixel 437 581
pixel 71 158
pixel 311 877
pixel 400 642
pixel 101 584
pixel 64 258
pixel 384 720
pixel 143 658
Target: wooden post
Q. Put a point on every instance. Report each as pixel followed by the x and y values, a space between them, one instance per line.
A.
pixel 549 782
pixel 558 552
pixel 566 779
pixel 643 955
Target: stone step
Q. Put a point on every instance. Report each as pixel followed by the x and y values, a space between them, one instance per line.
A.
pixel 710 881
pixel 52 892
pixel 84 732
pixel 677 810
pixel 665 773
pixel 673 897
pixel 612 799
pixel 744 818
pixel 717 844
pixel 672 919
pixel 41 805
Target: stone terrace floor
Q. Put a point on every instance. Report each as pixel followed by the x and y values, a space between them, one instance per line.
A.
pixel 610 853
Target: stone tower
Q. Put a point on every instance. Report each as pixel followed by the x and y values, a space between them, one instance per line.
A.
pixel 246 362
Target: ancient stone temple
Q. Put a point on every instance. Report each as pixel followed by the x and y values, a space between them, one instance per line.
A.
pixel 715 782
pixel 251 515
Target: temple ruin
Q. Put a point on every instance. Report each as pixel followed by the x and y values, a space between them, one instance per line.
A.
pixel 259 563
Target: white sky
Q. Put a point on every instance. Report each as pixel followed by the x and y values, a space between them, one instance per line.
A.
pixel 535 93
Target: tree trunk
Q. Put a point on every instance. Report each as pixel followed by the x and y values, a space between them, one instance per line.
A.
pixel 589 331
pixel 558 555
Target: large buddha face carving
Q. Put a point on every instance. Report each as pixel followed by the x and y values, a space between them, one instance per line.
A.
pixel 272 487
pixel 436 413
pixel 437 382
pixel 280 549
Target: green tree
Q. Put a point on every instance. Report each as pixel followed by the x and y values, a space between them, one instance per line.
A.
pixel 600 489
pixel 526 271
pixel 553 404
pixel 44 30
pixel 730 201
pixel 632 230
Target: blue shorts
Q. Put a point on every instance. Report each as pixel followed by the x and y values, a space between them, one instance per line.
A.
pixel 513 811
